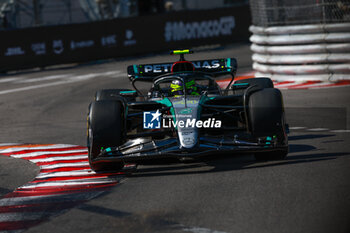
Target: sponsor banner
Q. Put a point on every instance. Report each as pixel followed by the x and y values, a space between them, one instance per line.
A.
pixel 52 45
pixel 180 30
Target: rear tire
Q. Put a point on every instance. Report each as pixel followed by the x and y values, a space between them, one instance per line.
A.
pixel 259 82
pixel 266 117
pixel 105 129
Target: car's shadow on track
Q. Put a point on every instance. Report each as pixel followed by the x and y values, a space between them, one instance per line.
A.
pixel 309 136
pixel 298 153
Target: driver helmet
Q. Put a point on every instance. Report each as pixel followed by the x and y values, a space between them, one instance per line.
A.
pixel 177 87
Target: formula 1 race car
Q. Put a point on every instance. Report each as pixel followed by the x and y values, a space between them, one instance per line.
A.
pixel 185 115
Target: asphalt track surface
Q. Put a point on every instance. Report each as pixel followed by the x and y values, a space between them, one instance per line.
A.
pixel 307 192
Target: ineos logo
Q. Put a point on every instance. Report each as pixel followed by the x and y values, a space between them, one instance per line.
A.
pixel 57 46
pixel 129 36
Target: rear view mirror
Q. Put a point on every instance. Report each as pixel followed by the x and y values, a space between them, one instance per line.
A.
pixel 128 93
pixel 239 86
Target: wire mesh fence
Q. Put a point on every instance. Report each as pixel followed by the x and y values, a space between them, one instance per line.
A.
pixel 285 12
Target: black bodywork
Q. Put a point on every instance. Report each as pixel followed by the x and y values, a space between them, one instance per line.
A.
pixel 239 131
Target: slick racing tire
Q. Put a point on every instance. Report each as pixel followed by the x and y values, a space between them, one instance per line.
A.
pixel 260 83
pixel 267 118
pixel 105 129
pixel 112 94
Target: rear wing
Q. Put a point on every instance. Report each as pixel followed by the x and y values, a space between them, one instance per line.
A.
pixel 147 72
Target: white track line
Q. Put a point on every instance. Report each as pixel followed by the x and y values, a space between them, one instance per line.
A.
pixel 74 169
pixel 52 159
pixel 52 166
pixel 118 74
pixel 9 144
pixel 341 131
pixel 67 183
pixel 296 128
pixel 5 80
pixel 71 173
pixel 33 147
pixel 82 181
pixel 199 230
pixel 52 77
pixel 34 154
pixel 38 86
pixel 318 129
pixel 66 81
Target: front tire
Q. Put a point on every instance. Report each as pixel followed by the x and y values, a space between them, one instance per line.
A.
pixel 105 129
pixel 267 118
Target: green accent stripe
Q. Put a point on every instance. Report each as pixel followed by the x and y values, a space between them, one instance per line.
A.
pixel 126 92
pixel 135 69
pixel 240 84
pixel 165 101
pixel 229 64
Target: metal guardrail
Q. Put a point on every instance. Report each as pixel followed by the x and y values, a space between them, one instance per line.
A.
pixel 302 52
pixel 301 39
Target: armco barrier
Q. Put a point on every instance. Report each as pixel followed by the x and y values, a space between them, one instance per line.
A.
pixel 302 52
pixel 43 46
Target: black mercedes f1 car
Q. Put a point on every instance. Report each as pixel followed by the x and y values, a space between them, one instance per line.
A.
pixel 184 114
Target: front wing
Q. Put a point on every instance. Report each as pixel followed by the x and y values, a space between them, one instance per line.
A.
pixel 138 150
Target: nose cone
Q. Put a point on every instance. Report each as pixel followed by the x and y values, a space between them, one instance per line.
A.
pixel 188 138
pixel 186 114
